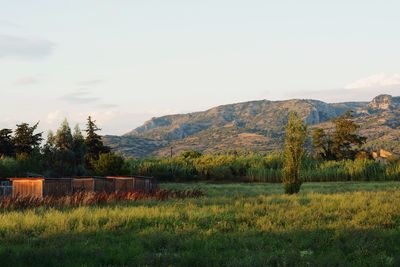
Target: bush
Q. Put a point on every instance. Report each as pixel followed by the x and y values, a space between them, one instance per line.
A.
pixel 108 164
pixel 9 167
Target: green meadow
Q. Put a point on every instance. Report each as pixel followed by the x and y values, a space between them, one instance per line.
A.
pixel 327 224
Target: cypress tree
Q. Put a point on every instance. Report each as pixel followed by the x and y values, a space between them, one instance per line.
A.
pixel 93 142
pixel 296 135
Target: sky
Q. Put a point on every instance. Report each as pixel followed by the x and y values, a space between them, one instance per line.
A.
pixel 126 61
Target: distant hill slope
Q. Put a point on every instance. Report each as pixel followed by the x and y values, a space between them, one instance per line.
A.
pixel 255 126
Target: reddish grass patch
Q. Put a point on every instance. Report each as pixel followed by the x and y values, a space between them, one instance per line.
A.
pixel 91 198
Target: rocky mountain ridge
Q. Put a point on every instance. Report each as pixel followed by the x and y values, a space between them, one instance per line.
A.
pixel 254 126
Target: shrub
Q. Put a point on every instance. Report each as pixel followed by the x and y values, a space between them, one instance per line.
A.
pixel 108 164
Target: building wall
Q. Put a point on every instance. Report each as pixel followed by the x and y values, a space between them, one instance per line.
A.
pixel 57 187
pixel 83 185
pixel 27 188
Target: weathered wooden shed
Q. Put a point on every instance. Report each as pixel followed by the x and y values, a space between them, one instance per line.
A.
pixel 121 183
pixel 40 187
pixel 133 183
pixel 27 187
pixel 92 184
pixel 57 187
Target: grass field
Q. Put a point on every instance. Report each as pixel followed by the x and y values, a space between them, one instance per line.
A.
pixel 327 224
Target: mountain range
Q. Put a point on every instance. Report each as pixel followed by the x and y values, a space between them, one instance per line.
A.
pixel 256 126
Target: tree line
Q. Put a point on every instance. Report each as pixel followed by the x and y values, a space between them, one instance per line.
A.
pixel 336 155
pixel 65 152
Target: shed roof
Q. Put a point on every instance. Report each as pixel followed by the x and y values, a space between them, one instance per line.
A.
pixel 26 178
pixel 129 177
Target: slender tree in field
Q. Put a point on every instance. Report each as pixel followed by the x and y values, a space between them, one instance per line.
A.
pixel 296 135
pixel 93 142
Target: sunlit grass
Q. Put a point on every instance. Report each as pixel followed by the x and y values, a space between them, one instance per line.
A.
pixel 236 225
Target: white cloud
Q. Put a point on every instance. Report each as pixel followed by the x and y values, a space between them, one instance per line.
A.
pixel 55 116
pixel 381 80
pixel 24 47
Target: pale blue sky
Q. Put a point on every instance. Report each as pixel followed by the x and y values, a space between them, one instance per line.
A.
pixel 126 61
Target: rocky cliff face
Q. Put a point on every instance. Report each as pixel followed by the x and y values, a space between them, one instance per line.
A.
pixel 253 126
pixel 385 102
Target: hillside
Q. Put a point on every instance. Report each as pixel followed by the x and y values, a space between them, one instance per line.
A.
pixel 255 126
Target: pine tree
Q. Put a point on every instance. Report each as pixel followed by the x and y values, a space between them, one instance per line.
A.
pixel 296 135
pixel 60 154
pixel 63 137
pixel 7 147
pixel 26 140
pixel 48 151
pixel 93 142
pixel 79 149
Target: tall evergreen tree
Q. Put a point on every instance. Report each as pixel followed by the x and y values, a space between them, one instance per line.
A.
pixel 93 142
pixel 296 135
pixel 60 156
pixel 79 149
pixel 48 151
pixel 7 147
pixel 26 140
pixel 63 138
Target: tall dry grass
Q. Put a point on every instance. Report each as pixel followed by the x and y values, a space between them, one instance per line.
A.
pixel 91 199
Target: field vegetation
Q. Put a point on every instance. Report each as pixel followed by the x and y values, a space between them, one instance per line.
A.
pixel 259 168
pixel 326 224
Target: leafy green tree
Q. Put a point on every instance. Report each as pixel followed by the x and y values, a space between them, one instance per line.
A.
pixel 108 164
pixel 93 142
pixel 26 140
pixel 295 139
pixel 322 145
pixel 7 147
pixel 346 143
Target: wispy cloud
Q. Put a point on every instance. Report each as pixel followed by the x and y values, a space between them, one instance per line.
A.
pixel 107 106
pixel 85 97
pixel 82 96
pixel 374 81
pixel 89 82
pixel 8 24
pixel 25 81
pixel 24 47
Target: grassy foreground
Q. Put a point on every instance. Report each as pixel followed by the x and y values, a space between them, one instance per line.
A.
pixel 328 224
